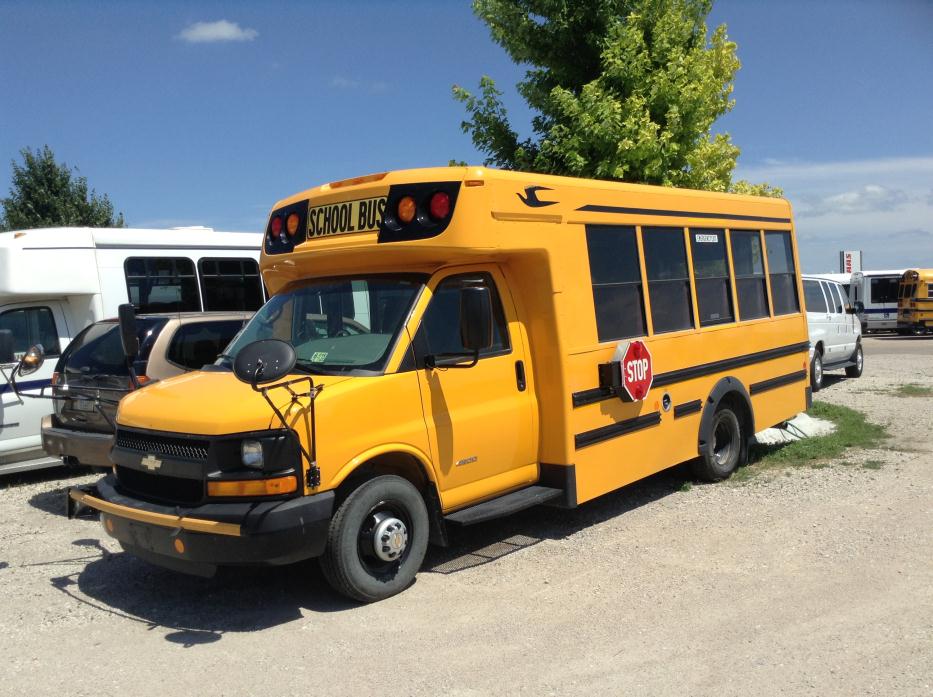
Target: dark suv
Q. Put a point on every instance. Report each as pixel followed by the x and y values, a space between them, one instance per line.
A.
pixel 93 368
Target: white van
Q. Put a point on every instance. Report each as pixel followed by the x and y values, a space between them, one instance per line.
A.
pixel 54 282
pixel 877 291
pixel 835 331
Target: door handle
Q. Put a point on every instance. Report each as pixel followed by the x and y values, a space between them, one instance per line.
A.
pixel 520 375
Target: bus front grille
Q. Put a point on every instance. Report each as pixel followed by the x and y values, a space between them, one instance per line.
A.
pixel 187 448
pixel 157 487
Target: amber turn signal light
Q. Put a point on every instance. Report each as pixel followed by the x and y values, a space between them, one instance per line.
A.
pixel 406 209
pixel 275 486
pixel 291 224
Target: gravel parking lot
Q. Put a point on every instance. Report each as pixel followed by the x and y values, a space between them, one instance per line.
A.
pixel 818 581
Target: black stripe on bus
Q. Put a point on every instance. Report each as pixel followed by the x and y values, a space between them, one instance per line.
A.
pixel 594 208
pixel 779 381
pixel 687 408
pixel 603 433
pixel 598 394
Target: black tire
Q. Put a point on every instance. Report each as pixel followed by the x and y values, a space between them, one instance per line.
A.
pixel 351 563
pixel 816 371
pixel 855 371
pixel 727 450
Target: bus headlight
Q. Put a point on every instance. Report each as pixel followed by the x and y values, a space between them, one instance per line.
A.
pixel 251 454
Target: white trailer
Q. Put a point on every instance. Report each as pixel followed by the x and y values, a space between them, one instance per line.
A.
pixel 56 281
pixel 877 291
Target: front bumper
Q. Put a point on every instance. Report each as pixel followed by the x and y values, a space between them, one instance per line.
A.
pixel 87 447
pixel 198 539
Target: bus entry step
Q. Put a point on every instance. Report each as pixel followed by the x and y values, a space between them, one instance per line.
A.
pixel 504 505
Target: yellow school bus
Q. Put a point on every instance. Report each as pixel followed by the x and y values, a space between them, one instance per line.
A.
pixel 446 346
pixel 915 302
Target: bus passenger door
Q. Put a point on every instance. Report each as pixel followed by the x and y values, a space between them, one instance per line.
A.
pixel 480 418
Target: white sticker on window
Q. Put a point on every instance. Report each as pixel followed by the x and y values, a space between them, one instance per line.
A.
pixel 706 238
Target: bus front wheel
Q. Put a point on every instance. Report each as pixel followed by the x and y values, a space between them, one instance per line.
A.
pixel 377 540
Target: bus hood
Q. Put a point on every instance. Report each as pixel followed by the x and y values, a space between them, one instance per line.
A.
pixel 209 403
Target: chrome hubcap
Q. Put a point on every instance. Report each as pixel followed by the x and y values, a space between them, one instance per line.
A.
pixel 390 537
pixel 858 359
pixel 818 370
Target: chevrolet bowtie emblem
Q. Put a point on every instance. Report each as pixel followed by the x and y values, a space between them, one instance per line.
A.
pixel 151 462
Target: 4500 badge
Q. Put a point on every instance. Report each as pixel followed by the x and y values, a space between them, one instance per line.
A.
pixel 362 215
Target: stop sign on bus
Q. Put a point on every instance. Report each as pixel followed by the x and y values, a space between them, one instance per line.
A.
pixel 637 374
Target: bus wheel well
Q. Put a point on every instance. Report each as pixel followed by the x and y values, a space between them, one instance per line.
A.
pixel 407 467
pixel 727 392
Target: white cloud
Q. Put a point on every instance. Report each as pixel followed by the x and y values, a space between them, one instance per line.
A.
pixel 871 197
pixel 211 32
pixel 883 207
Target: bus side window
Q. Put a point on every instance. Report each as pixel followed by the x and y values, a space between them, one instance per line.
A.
pixel 616 278
pixel 749 274
pixel 31 326
pixel 781 270
pixel 668 279
pixel 711 273
pixel 230 284
pixel 162 284
pixel 440 326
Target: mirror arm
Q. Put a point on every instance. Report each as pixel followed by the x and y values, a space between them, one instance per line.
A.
pixel 314 472
pixel 451 360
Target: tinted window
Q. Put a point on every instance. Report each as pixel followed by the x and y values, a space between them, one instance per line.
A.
pixel 668 280
pixel 781 269
pixel 162 285
pixel 711 276
pixel 31 326
pixel 883 290
pixel 199 343
pixel 616 279
pixel 833 297
pixel 230 284
pixel 440 326
pixel 98 351
pixel 813 296
pixel 749 274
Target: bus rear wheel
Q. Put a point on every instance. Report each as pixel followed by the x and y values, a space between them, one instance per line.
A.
pixel 377 540
pixel 728 449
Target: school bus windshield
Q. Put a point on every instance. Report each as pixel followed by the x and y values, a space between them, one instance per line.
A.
pixel 337 325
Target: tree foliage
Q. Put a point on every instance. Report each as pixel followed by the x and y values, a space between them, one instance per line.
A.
pixel 45 193
pixel 620 89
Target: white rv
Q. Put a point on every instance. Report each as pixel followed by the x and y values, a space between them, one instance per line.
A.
pixel 877 291
pixel 56 281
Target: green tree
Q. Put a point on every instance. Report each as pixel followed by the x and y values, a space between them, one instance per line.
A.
pixel 620 89
pixel 44 193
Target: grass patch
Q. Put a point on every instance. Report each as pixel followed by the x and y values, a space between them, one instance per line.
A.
pixel 873 464
pixel 686 486
pixel 912 390
pixel 852 431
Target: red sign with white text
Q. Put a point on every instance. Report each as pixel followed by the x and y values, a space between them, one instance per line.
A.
pixel 637 374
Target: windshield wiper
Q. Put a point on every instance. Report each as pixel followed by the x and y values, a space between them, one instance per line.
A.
pixel 309 368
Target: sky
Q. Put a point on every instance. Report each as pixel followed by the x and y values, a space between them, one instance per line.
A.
pixel 206 113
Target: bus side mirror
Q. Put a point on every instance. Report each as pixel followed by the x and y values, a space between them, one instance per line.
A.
pixel 6 346
pixel 475 318
pixel 32 361
pixel 858 309
pixel 262 362
pixel 128 335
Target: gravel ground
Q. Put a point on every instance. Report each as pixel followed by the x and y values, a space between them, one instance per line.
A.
pixel 814 582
